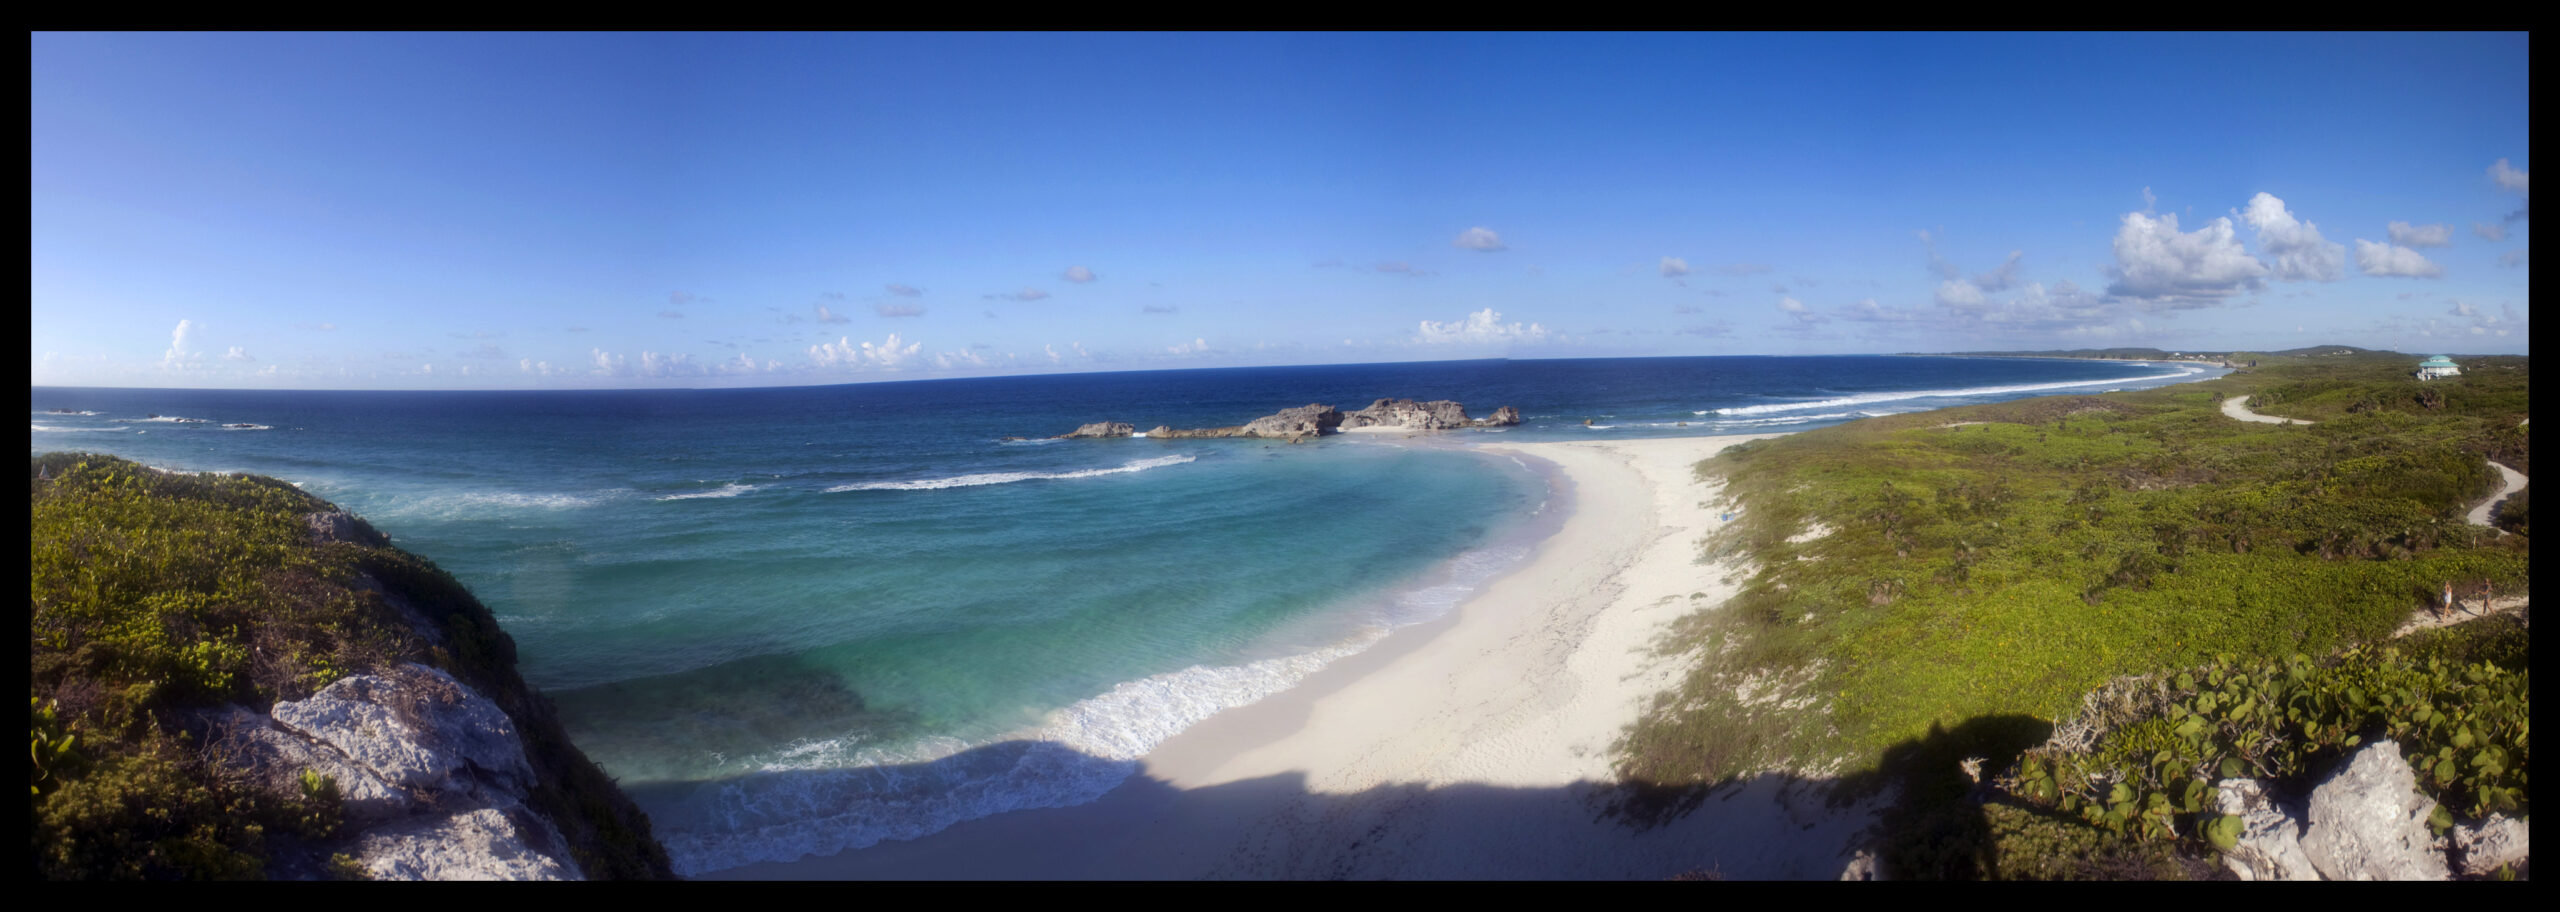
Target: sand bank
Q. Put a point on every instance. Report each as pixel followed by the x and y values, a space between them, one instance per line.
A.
pixel 1470 747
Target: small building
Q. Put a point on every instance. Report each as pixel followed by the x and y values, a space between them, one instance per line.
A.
pixel 2438 367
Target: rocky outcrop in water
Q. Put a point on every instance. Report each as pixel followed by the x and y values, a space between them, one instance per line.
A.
pixel 1101 429
pixel 1318 419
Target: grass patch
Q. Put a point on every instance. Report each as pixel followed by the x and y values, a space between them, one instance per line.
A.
pixel 2002 570
pixel 156 597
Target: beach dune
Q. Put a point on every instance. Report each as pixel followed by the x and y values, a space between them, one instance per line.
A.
pixel 1475 746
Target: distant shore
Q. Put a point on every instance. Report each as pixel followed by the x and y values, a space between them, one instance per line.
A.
pixel 1471 747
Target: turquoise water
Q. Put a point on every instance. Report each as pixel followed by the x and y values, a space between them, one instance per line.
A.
pixel 804 620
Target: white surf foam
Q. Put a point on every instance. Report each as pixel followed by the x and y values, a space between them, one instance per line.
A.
pixel 73 430
pixel 731 489
pixel 173 419
pixel 991 478
pixel 1872 398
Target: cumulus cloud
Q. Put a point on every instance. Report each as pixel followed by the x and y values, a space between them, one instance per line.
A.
pixel 182 346
pixel 608 363
pixel 653 364
pixel 1674 267
pixel 1794 308
pixel 829 316
pixel 2389 260
pixel 897 310
pixel 2000 279
pixel 2295 246
pixel 904 291
pixel 2510 179
pixel 2408 235
pixel 2157 262
pixel 1482 327
pixel 889 354
pixel 1078 275
pixel 1193 347
pixel 237 354
pixel 1960 294
pixel 1481 240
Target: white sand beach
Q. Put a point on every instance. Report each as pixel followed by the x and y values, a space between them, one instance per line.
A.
pixel 1470 747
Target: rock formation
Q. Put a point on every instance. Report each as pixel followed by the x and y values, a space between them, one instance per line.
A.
pixel 1101 429
pixel 2270 845
pixel 1318 419
pixel 430 774
pixel 2368 821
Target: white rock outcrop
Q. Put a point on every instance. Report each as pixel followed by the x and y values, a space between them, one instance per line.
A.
pixel 2270 846
pixel 2368 821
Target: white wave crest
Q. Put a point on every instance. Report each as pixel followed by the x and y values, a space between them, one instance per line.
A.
pixel 731 489
pixel 510 499
pixel 71 430
pixel 1872 398
pixel 990 478
pixel 173 419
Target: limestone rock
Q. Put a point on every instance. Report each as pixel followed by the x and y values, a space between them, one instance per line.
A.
pixel 418 730
pixel 275 758
pixel 1436 415
pixel 2368 821
pixel 1101 429
pixel 342 526
pixel 1303 421
pixel 2495 843
pixel 490 843
pixel 2270 846
pixel 1165 431
pixel 1505 416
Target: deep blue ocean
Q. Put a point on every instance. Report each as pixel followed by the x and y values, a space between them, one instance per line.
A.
pixel 780 616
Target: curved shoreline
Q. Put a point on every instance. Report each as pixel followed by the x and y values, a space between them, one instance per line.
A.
pixel 1472 746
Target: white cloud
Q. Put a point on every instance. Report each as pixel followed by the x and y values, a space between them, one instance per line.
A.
pixel 2408 235
pixel 1674 267
pixel 2295 246
pixel 608 363
pixel 1959 294
pixel 2149 202
pixel 2155 261
pixel 1481 327
pixel 904 291
pixel 829 316
pixel 653 364
pixel 1193 347
pixel 1482 240
pixel 2388 260
pixel 1053 353
pixel 1998 279
pixel 237 354
pixel 182 346
pixel 889 354
pixel 2510 179
pixel 1794 308
pixel 897 310
pixel 1078 275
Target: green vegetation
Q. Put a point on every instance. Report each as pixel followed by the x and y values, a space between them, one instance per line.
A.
pixel 1934 587
pixel 157 597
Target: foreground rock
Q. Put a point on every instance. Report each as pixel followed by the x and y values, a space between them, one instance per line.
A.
pixel 1318 419
pixel 2270 845
pixel 431 774
pixel 2369 822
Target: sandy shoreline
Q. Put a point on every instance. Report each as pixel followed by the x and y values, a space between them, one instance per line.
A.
pixel 1468 747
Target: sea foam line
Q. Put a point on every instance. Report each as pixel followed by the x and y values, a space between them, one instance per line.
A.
pixel 990 478
pixel 1870 398
pixel 731 489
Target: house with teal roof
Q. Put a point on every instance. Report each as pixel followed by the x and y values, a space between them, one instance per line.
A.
pixel 2438 367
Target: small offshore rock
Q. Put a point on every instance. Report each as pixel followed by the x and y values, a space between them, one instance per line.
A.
pixel 1304 421
pixel 2368 821
pixel 1101 429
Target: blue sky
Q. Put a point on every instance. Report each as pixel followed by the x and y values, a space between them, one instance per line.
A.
pixel 544 210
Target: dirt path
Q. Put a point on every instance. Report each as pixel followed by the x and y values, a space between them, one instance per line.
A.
pixel 2509 482
pixel 2238 407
